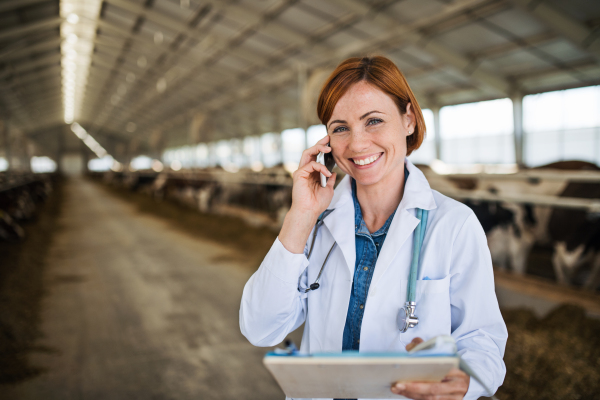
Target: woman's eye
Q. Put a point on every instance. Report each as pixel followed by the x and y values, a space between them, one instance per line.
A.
pixel 340 129
pixel 374 121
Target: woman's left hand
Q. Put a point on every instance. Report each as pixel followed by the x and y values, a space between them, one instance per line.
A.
pixel 454 386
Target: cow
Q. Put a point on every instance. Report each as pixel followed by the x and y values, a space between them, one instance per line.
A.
pixel 509 231
pixel 513 229
pixel 575 236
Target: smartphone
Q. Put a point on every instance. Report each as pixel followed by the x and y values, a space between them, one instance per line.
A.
pixel 327 160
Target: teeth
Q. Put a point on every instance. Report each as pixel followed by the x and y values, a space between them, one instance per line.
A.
pixel 366 161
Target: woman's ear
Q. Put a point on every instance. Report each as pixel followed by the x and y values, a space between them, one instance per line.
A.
pixel 409 119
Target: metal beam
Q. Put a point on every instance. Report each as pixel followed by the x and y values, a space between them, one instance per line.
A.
pixel 25 51
pixel 21 30
pixel 509 47
pixel 398 34
pixel 27 79
pixel 408 33
pixel 224 46
pixel 29 65
pixel 570 28
pixel 10 5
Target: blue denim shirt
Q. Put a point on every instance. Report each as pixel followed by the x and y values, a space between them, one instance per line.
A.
pixel 368 247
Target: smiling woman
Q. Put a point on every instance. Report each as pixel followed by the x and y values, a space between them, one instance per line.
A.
pixel 358 241
pixel 381 73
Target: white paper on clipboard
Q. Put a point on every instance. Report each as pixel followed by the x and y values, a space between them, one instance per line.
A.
pixel 354 375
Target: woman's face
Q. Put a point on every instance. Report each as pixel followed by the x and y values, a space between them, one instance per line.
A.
pixel 368 135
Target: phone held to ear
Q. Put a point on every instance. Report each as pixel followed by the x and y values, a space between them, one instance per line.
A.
pixel 327 160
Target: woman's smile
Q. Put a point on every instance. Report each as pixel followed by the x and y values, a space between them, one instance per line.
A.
pixel 366 161
pixel 368 136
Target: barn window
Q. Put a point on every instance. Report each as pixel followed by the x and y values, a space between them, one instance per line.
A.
pixel 562 125
pixel 480 133
pixel 426 153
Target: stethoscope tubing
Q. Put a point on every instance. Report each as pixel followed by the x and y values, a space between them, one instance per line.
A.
pixel 419 236
pixel 414 267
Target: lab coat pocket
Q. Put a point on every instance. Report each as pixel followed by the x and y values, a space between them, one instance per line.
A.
pixel 434 286
pixel 433 308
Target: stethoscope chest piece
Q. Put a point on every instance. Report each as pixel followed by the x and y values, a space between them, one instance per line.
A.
pixel 406 317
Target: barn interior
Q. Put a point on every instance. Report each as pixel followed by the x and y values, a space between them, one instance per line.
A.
pixel 146 157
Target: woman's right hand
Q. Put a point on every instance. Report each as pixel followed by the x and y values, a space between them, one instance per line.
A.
pixel 309 198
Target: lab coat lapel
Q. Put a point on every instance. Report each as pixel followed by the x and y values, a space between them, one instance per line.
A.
pixel 417 194
pixel 340 222
pixel 401 228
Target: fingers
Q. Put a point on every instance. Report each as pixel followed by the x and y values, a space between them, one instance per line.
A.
pixel 414 343
pixel 456 373
pixel 454 386
pixel 310 154
pixel 331 181
pixel 313 166
pixel 324 140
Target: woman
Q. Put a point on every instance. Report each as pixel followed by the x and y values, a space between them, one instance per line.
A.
pixel 373 122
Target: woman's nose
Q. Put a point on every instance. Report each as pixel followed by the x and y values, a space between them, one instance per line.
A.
pixel 359 141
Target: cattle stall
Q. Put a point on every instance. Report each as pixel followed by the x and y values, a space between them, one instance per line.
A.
pixel 20 196
pixel 541 223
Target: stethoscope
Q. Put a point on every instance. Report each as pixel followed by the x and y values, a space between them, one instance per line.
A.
pixel 406 316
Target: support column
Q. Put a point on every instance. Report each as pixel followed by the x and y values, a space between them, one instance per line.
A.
pixel 6 140
pixel 276 127
pixel 437 137
pixel 302 122
pixel 261 155
pixel 84 158
pixel 60 149
pixel 517 100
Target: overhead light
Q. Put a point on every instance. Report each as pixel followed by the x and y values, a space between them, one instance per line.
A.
pixel 73 18
pixel 72 38
pixel 89 141
pixel 78 33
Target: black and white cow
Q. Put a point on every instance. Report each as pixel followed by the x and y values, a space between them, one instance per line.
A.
pixel 575 236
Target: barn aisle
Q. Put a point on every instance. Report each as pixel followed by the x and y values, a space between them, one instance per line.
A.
pixel 136 309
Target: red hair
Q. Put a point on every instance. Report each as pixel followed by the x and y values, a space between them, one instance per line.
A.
pixel 382 73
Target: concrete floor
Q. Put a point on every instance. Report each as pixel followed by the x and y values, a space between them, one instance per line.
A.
pixel 137 309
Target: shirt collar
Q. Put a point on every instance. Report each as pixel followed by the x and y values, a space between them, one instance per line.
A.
pixel 417 192
pixel 360 227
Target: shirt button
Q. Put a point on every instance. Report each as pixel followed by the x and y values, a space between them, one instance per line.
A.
pixel 362 306
pixel 366 268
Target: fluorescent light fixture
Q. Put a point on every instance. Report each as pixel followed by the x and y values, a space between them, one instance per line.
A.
pixel 78 32
pixel 89 141
pixel 73 18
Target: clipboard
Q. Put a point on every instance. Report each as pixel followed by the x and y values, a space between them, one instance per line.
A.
pixel 355 375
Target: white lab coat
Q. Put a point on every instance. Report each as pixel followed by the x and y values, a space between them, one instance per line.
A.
pixel 458 298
